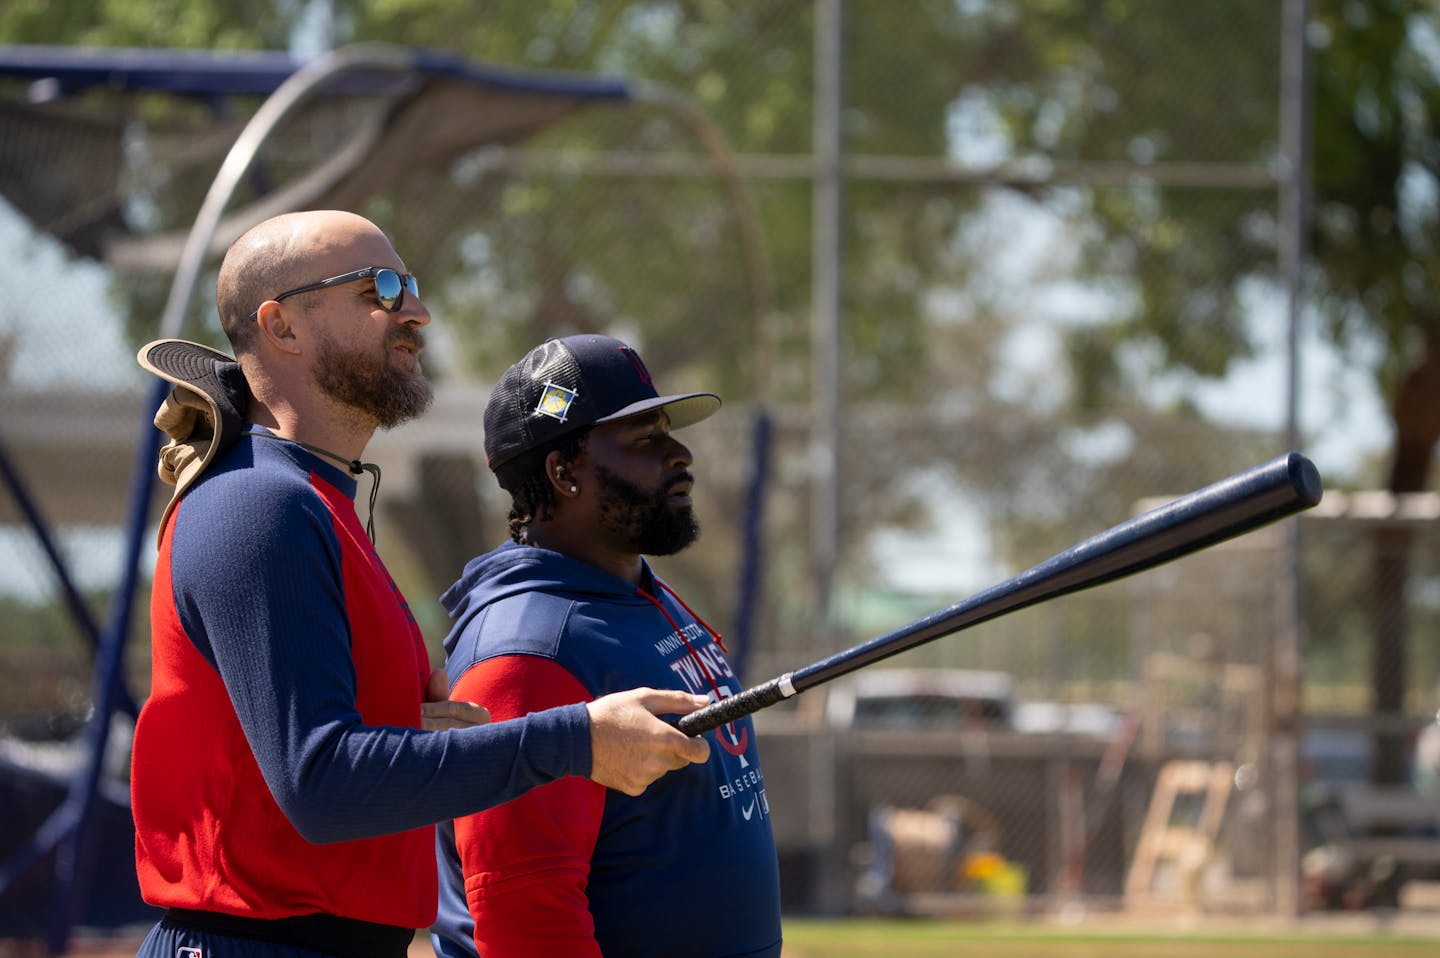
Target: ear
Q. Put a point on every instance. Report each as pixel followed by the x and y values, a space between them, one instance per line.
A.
pixel 273 321
pixel 559 475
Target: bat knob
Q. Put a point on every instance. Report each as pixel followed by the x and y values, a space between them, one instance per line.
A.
pixel 1305 478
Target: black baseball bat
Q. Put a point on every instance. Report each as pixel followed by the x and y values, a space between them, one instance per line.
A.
pixel 1223 510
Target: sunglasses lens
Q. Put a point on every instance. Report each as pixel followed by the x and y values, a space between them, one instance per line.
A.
pixel 388 289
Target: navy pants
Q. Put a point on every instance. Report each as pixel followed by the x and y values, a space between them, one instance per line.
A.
pixel 167 940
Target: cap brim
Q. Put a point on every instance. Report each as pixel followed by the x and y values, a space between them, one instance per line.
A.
pixel 684 410
pixel 214 378
pixel 209 373
pixel 181 362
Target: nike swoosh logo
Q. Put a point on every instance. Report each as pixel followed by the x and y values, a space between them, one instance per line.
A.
pixel 748 810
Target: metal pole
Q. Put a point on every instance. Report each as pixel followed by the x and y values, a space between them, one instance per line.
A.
pixel 1286 712
pixel 826 252
pixel 76 848
pixel 826 255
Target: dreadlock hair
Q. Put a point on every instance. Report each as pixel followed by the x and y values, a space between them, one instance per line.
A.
pixel 532 498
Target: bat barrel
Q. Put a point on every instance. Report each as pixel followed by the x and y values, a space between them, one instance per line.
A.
pixel 1238 504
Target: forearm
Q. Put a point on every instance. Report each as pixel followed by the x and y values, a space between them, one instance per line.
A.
pixel 358 782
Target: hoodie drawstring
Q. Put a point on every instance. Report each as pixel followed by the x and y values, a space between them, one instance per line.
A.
pixel 704 666
pixel 703 624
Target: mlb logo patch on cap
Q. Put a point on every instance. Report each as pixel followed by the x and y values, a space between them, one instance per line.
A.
pixel 555 401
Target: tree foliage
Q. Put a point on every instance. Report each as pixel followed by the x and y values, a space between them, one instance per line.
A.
pixel 1121 136
pixel 1376 237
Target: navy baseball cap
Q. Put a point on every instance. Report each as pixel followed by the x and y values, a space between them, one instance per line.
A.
pixel 566 384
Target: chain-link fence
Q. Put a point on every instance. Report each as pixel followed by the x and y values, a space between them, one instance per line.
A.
pixel 1060 298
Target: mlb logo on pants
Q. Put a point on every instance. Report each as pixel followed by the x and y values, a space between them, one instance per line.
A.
pixel 188 953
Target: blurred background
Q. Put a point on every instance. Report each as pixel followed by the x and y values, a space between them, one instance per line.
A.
pixel 976 278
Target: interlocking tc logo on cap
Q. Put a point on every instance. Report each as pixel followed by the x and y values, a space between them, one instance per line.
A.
pixel 629 353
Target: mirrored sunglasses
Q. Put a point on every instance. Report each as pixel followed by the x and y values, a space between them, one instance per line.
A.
pixel 390 286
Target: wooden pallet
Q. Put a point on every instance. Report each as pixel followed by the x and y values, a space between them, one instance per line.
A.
pixel 1178 838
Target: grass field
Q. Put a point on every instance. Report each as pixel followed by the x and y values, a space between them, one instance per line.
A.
pixel 926 939
pixel 857 938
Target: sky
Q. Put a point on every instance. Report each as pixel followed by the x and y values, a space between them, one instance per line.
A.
pixel 1341 419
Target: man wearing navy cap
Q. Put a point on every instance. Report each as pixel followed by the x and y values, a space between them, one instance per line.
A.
pixel 569 610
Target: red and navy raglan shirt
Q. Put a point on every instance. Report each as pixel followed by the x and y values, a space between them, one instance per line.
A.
pixel 572 869
pixel 278 765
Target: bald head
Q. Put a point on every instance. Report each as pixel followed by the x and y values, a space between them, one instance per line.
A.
pixel 284 252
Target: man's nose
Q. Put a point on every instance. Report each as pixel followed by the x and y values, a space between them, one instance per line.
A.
pixel 413 312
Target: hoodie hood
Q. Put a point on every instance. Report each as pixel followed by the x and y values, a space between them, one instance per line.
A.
pixel 513 568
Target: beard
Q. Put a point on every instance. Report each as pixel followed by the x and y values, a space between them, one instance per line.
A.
pixel 366 382
pixel 644 520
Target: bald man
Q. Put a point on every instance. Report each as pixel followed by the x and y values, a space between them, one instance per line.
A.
pixel 287 766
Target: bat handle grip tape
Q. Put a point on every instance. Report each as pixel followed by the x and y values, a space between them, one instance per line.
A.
pixel 729 709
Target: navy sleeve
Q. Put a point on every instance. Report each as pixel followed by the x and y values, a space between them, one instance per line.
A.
pixel 259 592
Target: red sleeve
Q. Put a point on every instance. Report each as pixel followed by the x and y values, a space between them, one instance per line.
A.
pixel 526 862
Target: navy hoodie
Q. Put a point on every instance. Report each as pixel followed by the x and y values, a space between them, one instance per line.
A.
pixel 573 869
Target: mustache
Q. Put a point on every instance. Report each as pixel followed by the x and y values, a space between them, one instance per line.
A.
pixel 409 337
pixel 681 477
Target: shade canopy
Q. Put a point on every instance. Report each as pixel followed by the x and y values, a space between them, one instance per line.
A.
pixel 76 146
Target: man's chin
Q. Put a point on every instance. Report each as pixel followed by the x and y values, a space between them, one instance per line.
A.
pixel 680 535
pixel 411 397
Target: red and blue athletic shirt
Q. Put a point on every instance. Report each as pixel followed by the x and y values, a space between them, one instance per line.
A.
pixel 278 766
pixel 572 869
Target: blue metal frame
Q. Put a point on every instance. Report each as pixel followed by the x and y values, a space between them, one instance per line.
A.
pixel 210 73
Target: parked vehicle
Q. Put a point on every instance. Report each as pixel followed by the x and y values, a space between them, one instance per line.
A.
pixel 922 698
pixel 1089 719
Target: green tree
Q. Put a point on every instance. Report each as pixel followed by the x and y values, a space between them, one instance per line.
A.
pixel 1188 259
pixel 1376 240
